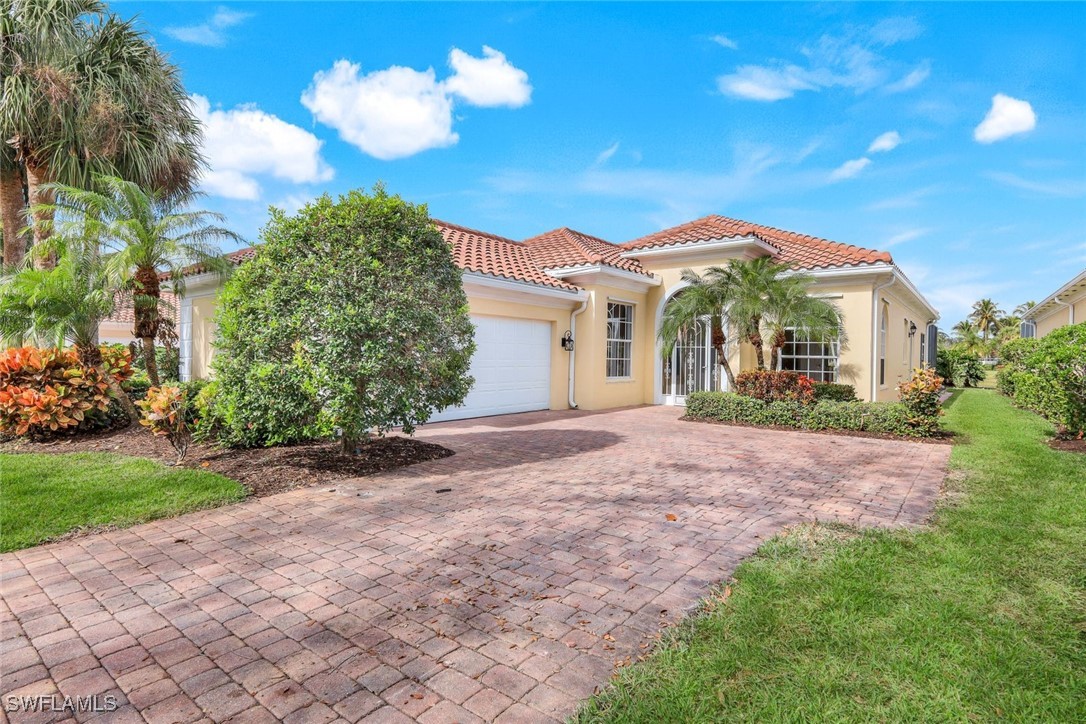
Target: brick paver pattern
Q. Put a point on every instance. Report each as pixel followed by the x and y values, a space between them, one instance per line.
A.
pixel 552 557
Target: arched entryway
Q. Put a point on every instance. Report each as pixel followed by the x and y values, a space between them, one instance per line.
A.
pixel 692 365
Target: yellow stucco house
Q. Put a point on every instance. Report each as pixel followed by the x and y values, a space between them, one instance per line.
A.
pixel 568 320
pixel 1067 305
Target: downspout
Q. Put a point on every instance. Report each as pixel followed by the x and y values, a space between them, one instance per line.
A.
pixel 1070 309
pixel 875 340
pixel 573 352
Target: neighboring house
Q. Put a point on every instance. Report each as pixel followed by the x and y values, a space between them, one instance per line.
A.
pixel 117 327
pixel 1067 305
pixel 525 296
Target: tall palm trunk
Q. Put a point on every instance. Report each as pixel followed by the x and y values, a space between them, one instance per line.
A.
pixel 720 342
pixel 13 211
pixel 36 175
pixel 145 302
pixel 755 339
pixel 90 356
pixel 779 340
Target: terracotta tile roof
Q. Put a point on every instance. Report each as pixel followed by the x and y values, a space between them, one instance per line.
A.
pixel 801 250
pixel 479 251
pixel 566 247
pixel 124 313
pixel 473 250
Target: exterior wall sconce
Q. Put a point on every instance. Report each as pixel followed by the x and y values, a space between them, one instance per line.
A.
pixel 912 329
pixel 567 341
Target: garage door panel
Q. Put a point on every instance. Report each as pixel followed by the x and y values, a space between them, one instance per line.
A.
pixel 511 367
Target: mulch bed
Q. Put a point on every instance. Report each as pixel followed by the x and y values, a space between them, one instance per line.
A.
pixel 264 471
pixel 1068 445
pixel 945 438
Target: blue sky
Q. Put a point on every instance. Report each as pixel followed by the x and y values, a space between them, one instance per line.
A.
pixel 953 136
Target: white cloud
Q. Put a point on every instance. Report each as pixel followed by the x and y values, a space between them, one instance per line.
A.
pixel 886 142
pixel 488 82
pixel 398 112
pixel 908 200
pixel 907 235
pixel 849 169
pixel 725 42
pixel 891 31
pixel 210 33
pixel 758 83
pixel 1067 188
pixel 845 61
pixel 244 142
pixel 388 114
pixel 1007 117
pixel 606 154
pixel 914 78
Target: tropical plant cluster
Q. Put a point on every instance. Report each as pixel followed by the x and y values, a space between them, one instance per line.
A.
pixel 959 367
pixel 350 320
pixel 915 415
pixel 1048 376
pixel 164 413
pixel 49 391
pixel 772 386
pixel 764 299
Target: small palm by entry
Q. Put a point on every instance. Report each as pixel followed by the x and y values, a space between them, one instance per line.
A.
pixel 144 234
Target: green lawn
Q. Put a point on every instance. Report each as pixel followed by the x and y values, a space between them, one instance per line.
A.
pixel 43 496
pixel 980 617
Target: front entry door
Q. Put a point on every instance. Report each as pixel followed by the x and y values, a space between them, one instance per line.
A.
pixel 692 366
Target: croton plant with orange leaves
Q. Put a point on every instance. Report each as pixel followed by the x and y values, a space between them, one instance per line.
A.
pixel 45 390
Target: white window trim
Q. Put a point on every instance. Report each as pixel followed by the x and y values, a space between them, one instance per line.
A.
pixel 884 332
pixel 608 340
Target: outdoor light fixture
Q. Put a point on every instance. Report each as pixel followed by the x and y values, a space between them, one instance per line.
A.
pixel 567 341
pixel 912 328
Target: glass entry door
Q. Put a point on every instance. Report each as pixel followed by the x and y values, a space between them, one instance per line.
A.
pixel 692 366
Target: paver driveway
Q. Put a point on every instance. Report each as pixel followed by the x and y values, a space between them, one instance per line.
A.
pixel 509 597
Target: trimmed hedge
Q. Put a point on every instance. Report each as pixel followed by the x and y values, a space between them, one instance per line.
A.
pixel 1048 376
pixel 878 417
pixel 773 386
pixel 834 391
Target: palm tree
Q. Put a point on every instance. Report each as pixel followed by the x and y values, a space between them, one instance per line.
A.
pixel 147 234
pixel 65 303
pixel 966 337
pixel 1021 309
pixel 985 314
pixel 790 306
pixel 12 207
pixel 703 299
pixel 85 94
pixel 761 285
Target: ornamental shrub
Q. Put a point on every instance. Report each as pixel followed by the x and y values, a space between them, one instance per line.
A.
pixel 117 361
pixel 772 386
pixel 893 418
pixel 1011 356
pixel 959 368
pixel 163 412
pixel 1049 377
pixel 834 391
pixel 44 391
pixel 352 318
pixel 920 395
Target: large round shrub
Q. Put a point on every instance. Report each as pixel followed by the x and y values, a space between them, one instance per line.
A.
pixel 1049 377
pixel 351 318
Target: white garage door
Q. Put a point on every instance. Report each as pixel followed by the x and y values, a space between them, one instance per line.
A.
pixel 511 367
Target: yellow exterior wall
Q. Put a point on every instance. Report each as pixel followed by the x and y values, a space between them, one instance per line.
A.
pixel 1062 317
pixel 594 390
pixel 901 356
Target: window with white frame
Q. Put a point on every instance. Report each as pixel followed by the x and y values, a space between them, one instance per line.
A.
pixel 815 358
pixel 619 340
